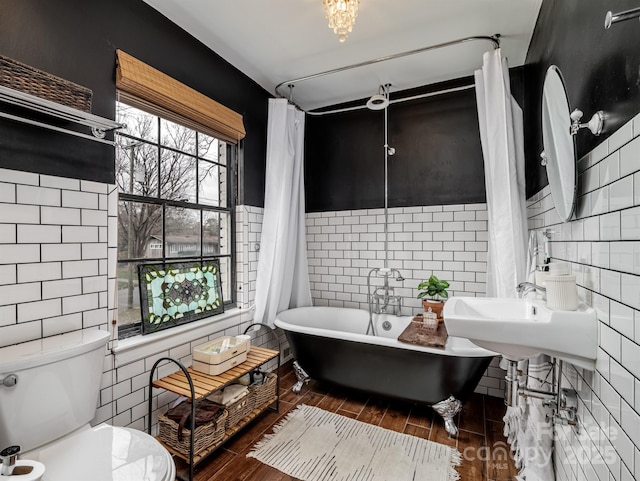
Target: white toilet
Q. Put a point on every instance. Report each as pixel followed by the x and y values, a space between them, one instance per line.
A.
pixel 48 394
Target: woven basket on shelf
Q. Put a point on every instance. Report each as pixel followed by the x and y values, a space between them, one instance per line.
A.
pixel 261 393
pixel 238 410
pixel 24 78
pixel 205 435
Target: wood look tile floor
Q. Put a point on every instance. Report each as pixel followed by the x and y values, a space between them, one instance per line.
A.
pixel 485 453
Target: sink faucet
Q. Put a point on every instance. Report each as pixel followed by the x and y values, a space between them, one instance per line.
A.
pixel 8 457
pixel 525 287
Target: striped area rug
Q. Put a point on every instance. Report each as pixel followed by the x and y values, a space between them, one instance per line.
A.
pixel 315 445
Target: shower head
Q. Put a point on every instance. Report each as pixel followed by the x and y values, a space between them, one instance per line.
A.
pixel 377 102
pixel 380 100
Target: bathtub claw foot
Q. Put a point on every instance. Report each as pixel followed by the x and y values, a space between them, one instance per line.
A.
pixel 448 409
pixel 301 375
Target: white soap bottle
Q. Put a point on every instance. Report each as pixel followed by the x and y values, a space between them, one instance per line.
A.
pixel 562 293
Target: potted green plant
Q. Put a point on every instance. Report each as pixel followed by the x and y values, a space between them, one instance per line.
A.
pixel 435 290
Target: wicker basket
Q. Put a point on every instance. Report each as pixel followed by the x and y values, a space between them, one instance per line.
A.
pixel 205 435
pixel 261 393
pixel 30 80
pixel 238 410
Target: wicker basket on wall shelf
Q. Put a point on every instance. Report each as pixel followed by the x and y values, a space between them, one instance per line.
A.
pixel 24 78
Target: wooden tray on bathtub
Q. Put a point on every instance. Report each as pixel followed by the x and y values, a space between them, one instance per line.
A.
pixel 415 333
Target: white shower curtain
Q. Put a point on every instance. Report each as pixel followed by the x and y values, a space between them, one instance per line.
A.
pixel 501 130
pixel 501 133
pixel 283 275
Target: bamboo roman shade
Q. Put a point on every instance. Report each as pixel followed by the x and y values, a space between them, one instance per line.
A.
pixel 147 87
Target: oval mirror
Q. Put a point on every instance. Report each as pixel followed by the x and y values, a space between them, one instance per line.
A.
pixel 559 146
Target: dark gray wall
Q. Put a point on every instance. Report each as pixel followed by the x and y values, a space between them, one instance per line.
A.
pixel 438 153
pixel 601 69
pixel 438 156
pixel 76 40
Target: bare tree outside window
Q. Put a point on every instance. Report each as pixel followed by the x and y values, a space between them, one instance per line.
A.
pixel 164 172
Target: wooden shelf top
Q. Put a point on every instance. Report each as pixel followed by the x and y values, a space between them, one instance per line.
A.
pixel 205 384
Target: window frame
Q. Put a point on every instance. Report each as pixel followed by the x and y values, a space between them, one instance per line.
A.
pixel 231 166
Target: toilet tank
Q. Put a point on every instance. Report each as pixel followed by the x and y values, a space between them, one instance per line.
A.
pixel 58 381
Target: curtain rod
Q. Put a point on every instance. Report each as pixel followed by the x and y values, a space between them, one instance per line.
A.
pixel 495 39
pixel 404 99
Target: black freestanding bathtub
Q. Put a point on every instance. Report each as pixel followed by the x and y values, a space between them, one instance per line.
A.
pixel 330 344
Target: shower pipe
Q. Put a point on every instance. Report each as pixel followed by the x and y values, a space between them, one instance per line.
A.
pixel 495 39
pixel 386 88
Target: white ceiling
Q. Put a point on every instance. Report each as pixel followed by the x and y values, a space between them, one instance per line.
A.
pixel 272 41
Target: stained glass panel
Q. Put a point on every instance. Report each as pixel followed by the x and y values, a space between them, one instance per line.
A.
pixel 176 293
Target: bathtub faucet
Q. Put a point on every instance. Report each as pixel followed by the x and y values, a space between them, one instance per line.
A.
pixel 383 299
pixel 386 302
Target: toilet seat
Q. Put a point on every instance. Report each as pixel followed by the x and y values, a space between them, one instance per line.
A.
pixel 105 453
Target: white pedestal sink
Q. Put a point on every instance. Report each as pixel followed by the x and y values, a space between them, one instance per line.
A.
pixel 524 328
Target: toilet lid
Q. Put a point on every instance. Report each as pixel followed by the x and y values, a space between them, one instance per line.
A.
pixel 107 453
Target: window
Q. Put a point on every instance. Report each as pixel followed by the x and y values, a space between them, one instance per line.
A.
pixel 176 192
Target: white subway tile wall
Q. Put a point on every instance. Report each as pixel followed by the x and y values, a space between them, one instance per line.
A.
pixel 602 244
pixel 248 231
pixel 42 271
pixel 449 241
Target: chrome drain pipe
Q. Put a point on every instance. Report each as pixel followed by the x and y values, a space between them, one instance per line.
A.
pixel 511 394
pixel 563 402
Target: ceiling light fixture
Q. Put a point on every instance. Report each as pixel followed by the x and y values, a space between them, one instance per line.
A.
pixel 342 15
